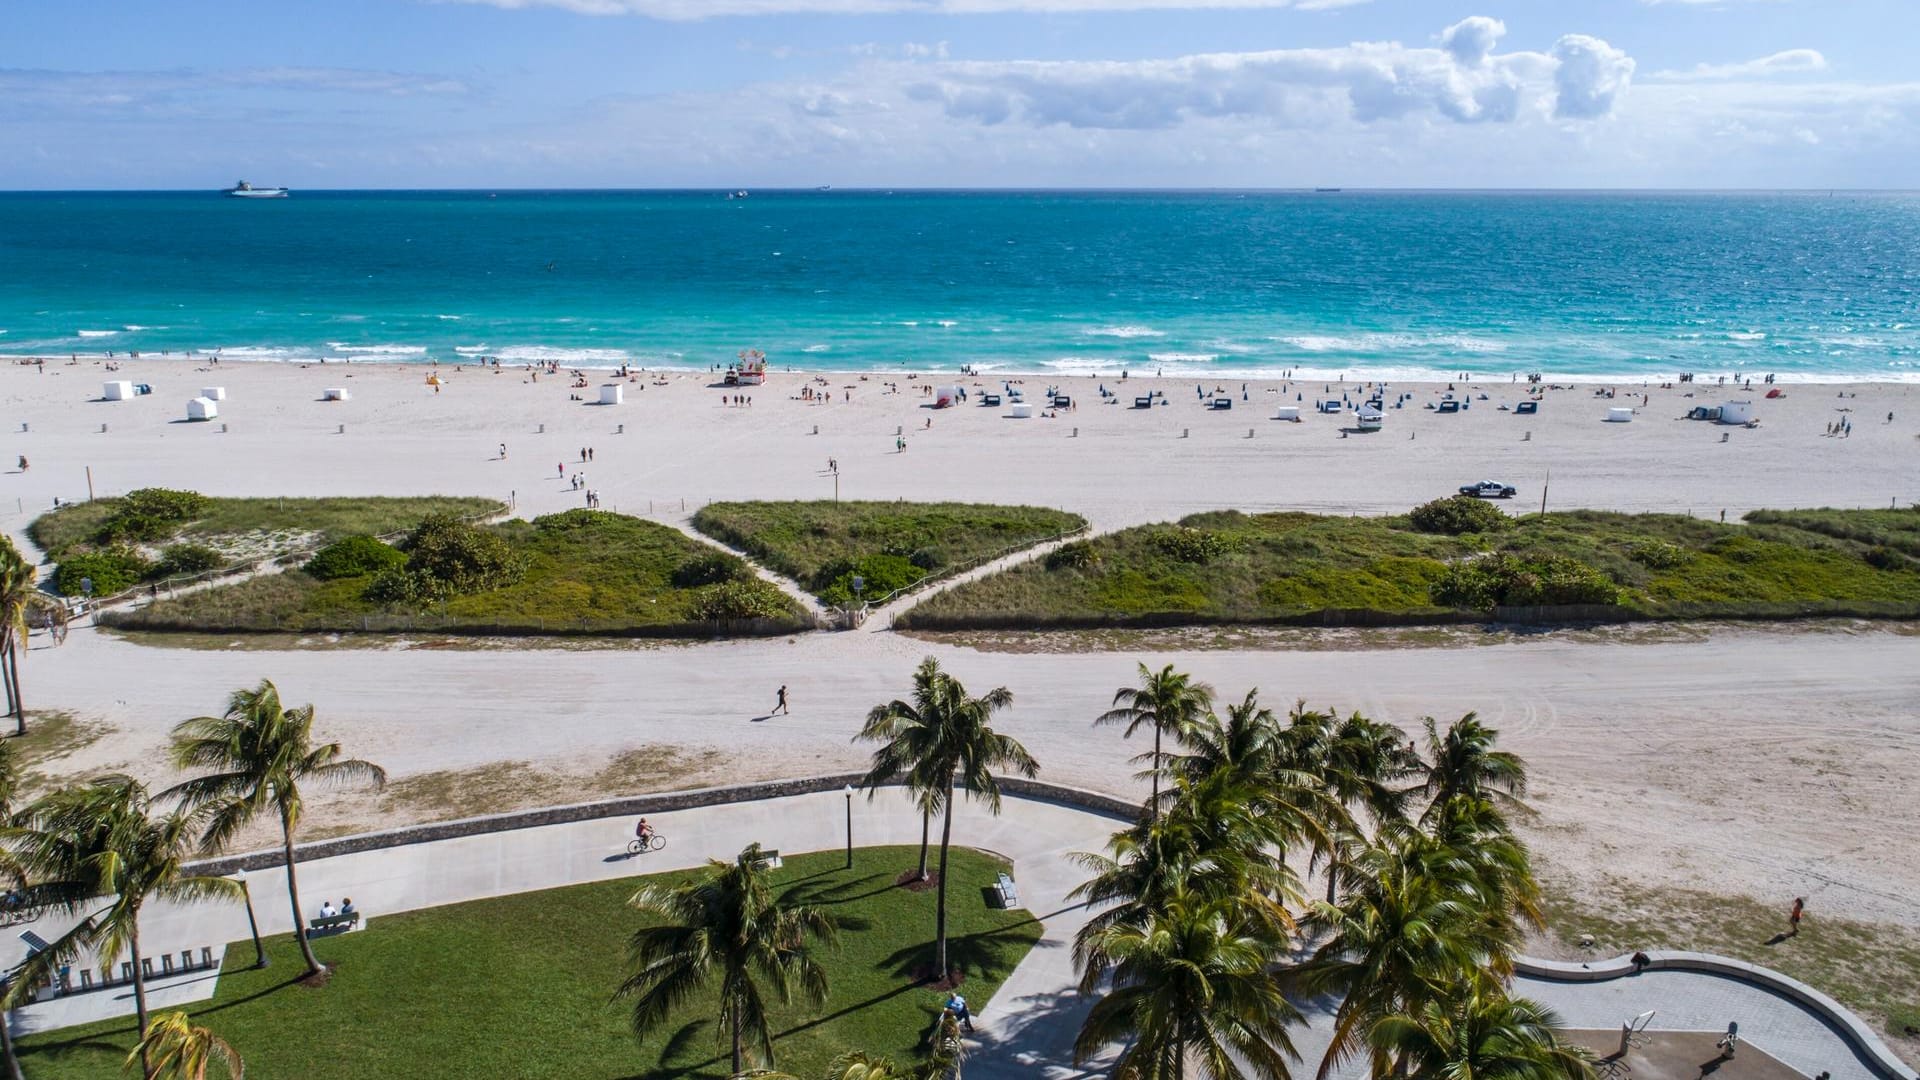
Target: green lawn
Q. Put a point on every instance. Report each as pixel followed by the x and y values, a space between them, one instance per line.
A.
pixel 520 987
pixel 586 571
pixel 1231 567
pixel 823 545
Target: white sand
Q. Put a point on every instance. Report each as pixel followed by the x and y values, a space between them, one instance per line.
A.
pixel 1774 763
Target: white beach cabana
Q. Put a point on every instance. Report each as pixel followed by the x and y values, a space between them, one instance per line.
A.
pixel 1619 416
pixel 1288 412
pixel 1736 412
pixel 612 393
pixel 214 393
pixel 1021 411
pixel 117 390
pixel 202 408
pixel 335 393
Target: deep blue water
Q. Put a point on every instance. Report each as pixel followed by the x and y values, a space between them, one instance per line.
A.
pixel 1803 285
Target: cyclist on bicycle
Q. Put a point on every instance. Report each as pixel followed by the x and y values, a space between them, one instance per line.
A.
pixel 643 832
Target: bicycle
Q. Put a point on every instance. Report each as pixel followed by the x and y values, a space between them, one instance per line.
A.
pixel 637 846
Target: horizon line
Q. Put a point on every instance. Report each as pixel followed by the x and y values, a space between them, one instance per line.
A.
pixel 1001 189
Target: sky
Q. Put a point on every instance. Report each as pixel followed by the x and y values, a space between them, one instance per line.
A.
pixel 194 94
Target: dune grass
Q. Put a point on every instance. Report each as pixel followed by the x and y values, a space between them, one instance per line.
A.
pixel 226 522
pixel 519 986
pixel 1230 567
pixel 824 545
pixel 585 571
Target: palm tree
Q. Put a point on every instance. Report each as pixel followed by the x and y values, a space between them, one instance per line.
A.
pixel 725 925
pixel 1168 701
pixel 907 729
pixel 261 754
pixel 1406 933
pixel 1361 764
pixel 19 597
pixel 1247 741
pixel 1195 982
pixel 178 1050
pixel 1464 762
pixel 1484 1035
pixel 104 839
pixel 948 738
pixel 15 879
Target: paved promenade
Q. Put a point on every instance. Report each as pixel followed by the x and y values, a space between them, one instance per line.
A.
pixel 1026 1030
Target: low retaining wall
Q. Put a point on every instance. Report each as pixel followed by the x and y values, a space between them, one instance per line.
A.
pixel 631 806
pixel 1876 1054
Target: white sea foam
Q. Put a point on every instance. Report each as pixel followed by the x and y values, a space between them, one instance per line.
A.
pixel 470 350
pixel 377 350
pixel 98 333
pixel 136 327
pixel 449 318
pixel 946 322
pixel 1754 335
pixel 535 354
pixel 817 349
pixel 1183 357
pixel 1388 342
pixel 1128 331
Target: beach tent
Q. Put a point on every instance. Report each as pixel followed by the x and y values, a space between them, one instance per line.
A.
pixel 214 393
pixel 945 396
pixel 612 393
pixel 1370 418
pixel 335 393
pixel 1288 412
pixel 1736 412
pixel 202 408
pixel 118 390
pixel 1619 416
pixel 1021 412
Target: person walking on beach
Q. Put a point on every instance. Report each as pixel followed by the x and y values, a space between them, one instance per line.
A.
pixel 563 468
pixel 503 451
pixel 780 702
pixel 1793 917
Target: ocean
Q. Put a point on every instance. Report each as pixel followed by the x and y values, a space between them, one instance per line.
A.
pixel 1365 284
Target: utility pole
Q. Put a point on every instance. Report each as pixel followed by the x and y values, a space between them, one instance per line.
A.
pixel 89 483
pixel 1543 493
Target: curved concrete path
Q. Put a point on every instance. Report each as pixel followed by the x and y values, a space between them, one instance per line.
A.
pixel 1026 1030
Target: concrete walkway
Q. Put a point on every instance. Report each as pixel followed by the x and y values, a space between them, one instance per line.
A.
pixel 1025 1031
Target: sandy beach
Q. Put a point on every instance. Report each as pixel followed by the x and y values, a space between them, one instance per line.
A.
pixel 1770 763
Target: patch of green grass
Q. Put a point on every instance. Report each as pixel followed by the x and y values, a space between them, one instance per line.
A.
pixel 1229 567
pixel 519 986
pixel 1873 969
pixel 822 545
pixel 230 523
pixel 585 572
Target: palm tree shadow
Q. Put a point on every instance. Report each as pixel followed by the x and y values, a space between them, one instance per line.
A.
pixel 679 1044
pixel 972 954
pixel 809 890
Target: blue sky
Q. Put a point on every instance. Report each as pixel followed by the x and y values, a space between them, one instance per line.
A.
pixel 593 93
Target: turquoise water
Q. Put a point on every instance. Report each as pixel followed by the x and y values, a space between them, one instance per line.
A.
pixel 1805 286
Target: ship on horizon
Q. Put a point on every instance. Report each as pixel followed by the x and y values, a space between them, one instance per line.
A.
pixel 244 190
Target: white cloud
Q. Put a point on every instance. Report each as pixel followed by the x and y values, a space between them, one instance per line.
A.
pixel 687 10
pixel 1464 81
pixel 1789 62
pixel 1590 75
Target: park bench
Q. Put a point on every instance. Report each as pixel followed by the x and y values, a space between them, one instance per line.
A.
pixel 770 858
pixel 1005 895
pixel 342 922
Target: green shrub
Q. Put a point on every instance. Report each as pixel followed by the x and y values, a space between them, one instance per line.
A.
pixel 1523 581
pixel 111 571
pixel 742 599
pixel 1881 557
pixel 712 568
pixel 882 573
pixel 355 556
pixel 177 559
pixel 928 558
pixel 1659 555
pixel 446 558
pixel 1073 555
pixel 150 514
pixel 1195 545
pixel 1458 515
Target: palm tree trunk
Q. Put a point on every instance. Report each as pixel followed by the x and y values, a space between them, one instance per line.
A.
pixel 6 1048
pixel 13 707
pixel 926 827
pixel 1155 804
pixel 737 1066
pixel 940 906
pixel 293 898
pixel 139 994
pixel 19 699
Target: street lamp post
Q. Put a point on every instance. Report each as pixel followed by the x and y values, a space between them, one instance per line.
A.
pixel 253 925
pixel 849 793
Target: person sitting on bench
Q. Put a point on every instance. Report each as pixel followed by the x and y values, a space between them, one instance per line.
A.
pixel 327 909
pixel 346 906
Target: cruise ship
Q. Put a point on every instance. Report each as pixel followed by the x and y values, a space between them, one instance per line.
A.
pixel 244 190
